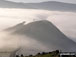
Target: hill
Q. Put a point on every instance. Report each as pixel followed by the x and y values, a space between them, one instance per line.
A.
pixel 46 33
pixel 49 5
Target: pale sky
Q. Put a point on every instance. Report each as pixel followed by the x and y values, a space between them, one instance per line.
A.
pixel 28 1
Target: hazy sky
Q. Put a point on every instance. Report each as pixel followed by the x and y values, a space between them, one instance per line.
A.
pixel 68 1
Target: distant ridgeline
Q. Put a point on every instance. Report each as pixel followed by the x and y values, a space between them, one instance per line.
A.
pixel 48 5
pixel 56 53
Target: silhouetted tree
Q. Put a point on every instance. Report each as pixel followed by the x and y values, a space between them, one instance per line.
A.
pixel 22 55
pixel 57 51
pixel 17 55
pixel 30 55
pixel 39 54
pixel 43 53
pixel 50 52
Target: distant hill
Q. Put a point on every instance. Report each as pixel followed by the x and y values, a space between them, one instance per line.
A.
pixel 46 33
pixel 49 5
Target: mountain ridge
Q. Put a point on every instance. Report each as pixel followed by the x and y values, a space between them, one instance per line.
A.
pixel 46 33
pixel 48 5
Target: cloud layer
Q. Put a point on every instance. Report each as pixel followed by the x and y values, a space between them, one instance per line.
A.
pixel 65 21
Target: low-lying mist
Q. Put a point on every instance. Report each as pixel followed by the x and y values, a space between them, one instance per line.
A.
pixel 65 21
pixel 10 43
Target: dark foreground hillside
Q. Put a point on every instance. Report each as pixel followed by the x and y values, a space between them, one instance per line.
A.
pixel 43 54
pixel 56 53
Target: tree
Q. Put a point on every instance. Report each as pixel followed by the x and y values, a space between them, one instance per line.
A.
pixel 57 51
pixel 22 55
pixel 39 54
pixel 17 55
pixel 30 55
pixel 43 53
